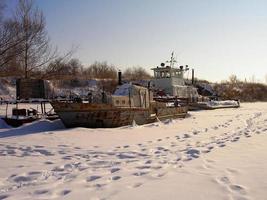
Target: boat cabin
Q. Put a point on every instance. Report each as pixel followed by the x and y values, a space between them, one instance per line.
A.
pixel 170 80
pixel 129 95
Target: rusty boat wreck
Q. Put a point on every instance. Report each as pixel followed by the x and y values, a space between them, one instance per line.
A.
pixel 129 104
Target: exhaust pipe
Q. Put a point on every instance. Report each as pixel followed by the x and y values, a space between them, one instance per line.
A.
pixel 193 76
pixel 119 78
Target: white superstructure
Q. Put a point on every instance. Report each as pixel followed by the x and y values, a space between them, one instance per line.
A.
pixel 170 80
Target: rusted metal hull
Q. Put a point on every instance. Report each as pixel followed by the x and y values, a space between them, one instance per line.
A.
pixel 163 112
pixel 108 116
pixel 172 112
pixel 98 115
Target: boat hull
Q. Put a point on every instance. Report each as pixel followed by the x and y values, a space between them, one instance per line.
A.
pixel 204 106
pixel 98 115
pixel 172 112
pixel 108 116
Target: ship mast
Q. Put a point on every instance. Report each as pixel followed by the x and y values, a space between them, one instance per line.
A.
pixel 172 61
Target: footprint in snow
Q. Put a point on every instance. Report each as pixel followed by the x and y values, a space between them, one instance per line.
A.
pixel 62 145
pixel 195 132
pixel 40 192
pixel 115 178
pixel 135 185
pixel 235 139
pixel 205 151
pixel 148 162
pixel 3 197
pixel 140 173
pixel 92 178
pixel 143 167
pixel 238 188
pixel 38 146
pixel 48 163
pixel 224 180
pixel 113 170
pixel 66 158
pixel 194 153
pixel 233 171
pixel 158 175
pixel 21 179
pixel 187 135
pixel 64 192
pixel 34 173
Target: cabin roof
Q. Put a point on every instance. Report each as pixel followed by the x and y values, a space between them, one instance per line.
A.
pixel 167 68
pixel 123 90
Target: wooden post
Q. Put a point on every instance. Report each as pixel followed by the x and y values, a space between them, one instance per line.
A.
pixel 17 109
pixel 145 98
pixel 53 93
pixel 42 108
pixel 149 93
pixel 6 108
pixel 140 98
pixel 130 104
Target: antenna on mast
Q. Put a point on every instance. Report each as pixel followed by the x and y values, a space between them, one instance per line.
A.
pixel 172 61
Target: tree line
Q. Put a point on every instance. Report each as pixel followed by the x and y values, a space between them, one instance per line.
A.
pixel 74 69
pixel 26 50
pixel 242 90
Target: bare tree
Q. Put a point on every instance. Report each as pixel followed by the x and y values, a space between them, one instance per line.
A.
pixel 101 70
pixel 10 38
pixel 136 73
pixel 64 68
pixel 10 42
pixel 2 5
pixel 35 45
pixel 233 79
pixel 25 48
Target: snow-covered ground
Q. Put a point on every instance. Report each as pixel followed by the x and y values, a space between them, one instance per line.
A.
pixel 217 154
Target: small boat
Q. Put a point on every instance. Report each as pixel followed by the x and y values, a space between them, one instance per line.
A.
pixel 21 116
pixel 16 122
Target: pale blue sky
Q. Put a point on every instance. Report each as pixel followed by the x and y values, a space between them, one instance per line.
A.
pixel 215 37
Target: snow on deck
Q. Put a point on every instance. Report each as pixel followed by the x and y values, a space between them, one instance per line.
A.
pixel 222 103
pixel 215 154
pixel 123 90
